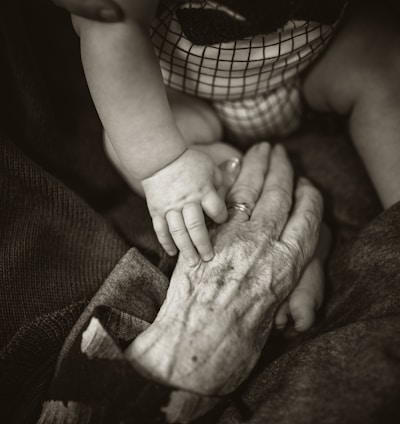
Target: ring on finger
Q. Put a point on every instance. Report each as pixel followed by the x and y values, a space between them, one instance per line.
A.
pixel 240 206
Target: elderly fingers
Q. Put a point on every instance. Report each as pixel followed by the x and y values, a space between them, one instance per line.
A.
pixel 248 185
pixel 276 198
pixel 307 296
pixel 305 299
pixel 99 10
pixel 282 315
pixel 301 232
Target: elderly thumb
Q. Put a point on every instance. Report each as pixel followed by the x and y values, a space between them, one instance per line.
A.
pixel 230 170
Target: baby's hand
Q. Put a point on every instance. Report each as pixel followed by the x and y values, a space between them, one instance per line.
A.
pixel 176 197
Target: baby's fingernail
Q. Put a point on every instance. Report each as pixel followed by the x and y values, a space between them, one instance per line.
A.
pixel 110 15
pixel 192 261
pixel 208 257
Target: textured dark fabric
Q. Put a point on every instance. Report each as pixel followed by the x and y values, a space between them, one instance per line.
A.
pixel 55 250
pixel 101 381
pixel 52 164
pixel 66 220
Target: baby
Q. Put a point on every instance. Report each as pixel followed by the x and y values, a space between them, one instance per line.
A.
pixel 232 71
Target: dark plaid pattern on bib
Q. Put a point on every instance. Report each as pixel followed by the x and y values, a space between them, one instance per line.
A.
pixel 253 82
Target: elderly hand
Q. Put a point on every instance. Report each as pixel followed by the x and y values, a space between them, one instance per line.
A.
pixel 216 318
pixel 99 10
pixel 306 298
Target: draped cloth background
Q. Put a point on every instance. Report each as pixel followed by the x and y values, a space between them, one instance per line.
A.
pixel 67 219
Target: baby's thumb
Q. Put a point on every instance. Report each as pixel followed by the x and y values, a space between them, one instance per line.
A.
pixel 230 170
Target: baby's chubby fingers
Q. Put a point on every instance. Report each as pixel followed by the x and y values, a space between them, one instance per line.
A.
pixel 194 220
pixel 161 229
pixel 180 235
pixel 213 202
pixel 214 206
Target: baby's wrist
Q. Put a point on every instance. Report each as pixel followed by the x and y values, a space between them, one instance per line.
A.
pixel 164 164
pixel 153 154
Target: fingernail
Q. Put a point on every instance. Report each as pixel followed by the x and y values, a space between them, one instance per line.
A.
pixel 208 257
pixel 110 15
pixel 193 261
pixel 231 166
pixel 233 163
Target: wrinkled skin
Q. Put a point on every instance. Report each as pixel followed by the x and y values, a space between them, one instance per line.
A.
pixel 216 318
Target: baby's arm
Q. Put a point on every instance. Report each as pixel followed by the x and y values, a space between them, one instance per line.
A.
pixel 126 85
pixel 359 76
pixel 125 82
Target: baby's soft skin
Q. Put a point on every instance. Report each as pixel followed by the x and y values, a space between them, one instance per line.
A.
pixel 125 81
pixel 358 77
pixel 177 195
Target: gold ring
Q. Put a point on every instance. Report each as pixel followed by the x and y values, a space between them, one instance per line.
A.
pixel 242 207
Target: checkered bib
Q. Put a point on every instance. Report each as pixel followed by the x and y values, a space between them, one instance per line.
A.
pixel 253 82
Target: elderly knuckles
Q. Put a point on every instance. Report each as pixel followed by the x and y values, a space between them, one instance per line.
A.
pixel 216 318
